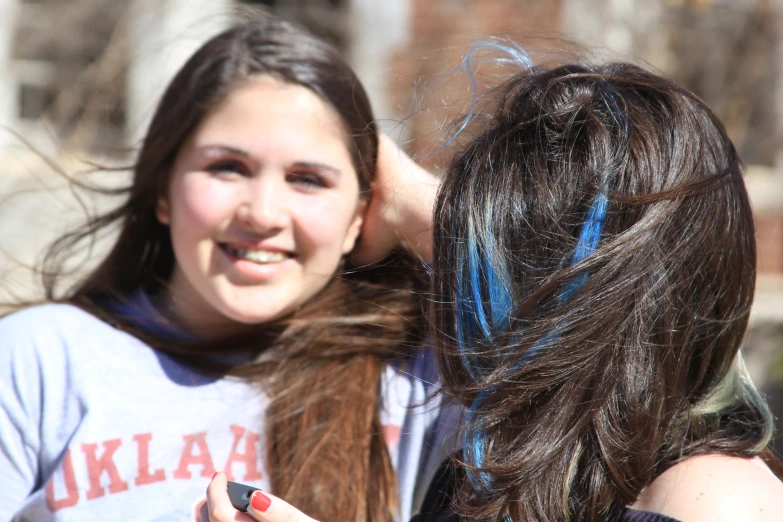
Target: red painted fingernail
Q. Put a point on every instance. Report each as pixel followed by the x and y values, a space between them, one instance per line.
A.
pixel 260 502
pixel 215 475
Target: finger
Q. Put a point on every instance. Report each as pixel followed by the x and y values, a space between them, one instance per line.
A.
pixel 219 508
pixel 269 508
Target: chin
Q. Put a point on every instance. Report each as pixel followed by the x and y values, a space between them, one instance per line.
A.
pixel 257 318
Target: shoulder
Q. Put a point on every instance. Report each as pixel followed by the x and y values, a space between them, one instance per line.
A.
pixel 45 314
pixel 36 350
pixel 715 488
pixel 47 319
pixel 46 335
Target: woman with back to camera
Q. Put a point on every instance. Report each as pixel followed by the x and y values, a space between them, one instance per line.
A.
pixel 594 269
pixel 226 330
pixel 598 303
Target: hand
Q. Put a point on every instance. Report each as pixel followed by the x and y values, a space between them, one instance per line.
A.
pixel 263 506
pixel 400 209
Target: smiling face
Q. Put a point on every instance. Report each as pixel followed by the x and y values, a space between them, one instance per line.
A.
pixel 263 203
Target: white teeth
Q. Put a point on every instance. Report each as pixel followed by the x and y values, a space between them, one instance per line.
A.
pixel 262 256
pixel 257 256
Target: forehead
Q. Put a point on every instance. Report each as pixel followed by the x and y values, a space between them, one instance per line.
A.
pixel 265 116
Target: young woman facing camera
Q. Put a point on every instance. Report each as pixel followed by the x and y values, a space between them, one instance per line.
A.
pixel 227 330
pixel 594 270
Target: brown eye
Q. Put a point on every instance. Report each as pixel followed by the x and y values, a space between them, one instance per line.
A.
pixel 229 167
pixel 308 180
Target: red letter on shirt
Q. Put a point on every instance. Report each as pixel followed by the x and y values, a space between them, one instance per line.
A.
pixel 249 457
pixel 96 467
pixel 72 492
pixel 143 441
pixel 188 458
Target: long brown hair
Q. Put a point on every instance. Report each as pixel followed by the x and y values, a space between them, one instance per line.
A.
pixel 594 271
pixel 322 365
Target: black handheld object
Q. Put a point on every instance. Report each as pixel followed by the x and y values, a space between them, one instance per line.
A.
pixel 240 495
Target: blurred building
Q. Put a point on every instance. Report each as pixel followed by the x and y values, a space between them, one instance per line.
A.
pixel 107 61
pixel 104 62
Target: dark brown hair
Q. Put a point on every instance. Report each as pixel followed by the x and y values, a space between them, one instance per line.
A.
pixel 594 271
pixel 321 366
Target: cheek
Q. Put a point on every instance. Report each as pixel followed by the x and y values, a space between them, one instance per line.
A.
pixel 326 224
pixel 199 207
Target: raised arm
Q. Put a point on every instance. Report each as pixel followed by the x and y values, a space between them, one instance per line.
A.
pixel 401 206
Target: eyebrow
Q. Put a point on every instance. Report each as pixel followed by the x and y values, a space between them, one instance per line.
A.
pixel 225 148
pixel 322 167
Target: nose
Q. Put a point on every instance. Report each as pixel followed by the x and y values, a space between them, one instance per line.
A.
pixel 264 207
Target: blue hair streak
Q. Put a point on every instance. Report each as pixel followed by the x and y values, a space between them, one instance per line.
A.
pixel 485 305
pixel 480 284
pixel 474 445
pixel 587 244
pixel 483 300
pixel 472 319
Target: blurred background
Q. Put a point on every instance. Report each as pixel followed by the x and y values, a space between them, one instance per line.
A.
pixel 79 80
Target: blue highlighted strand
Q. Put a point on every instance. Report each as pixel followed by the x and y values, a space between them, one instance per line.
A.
pixel 479 279
pixel 484 281
pixel 480 318
pixel 475 272
pixel 484 286
pixel 474 445
pixel 480 286
pixel 589 237
pixel 518 57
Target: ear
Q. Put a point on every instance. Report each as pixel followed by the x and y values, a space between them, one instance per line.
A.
pixel 356 227
pixel 162 211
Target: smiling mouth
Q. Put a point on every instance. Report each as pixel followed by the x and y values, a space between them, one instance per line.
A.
pixel 260 256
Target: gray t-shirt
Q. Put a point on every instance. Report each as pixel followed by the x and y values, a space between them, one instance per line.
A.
pixel 97 425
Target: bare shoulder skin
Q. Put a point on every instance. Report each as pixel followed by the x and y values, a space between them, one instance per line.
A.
pixel 716 488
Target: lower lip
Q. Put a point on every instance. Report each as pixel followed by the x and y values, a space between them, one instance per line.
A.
pixel 256 271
